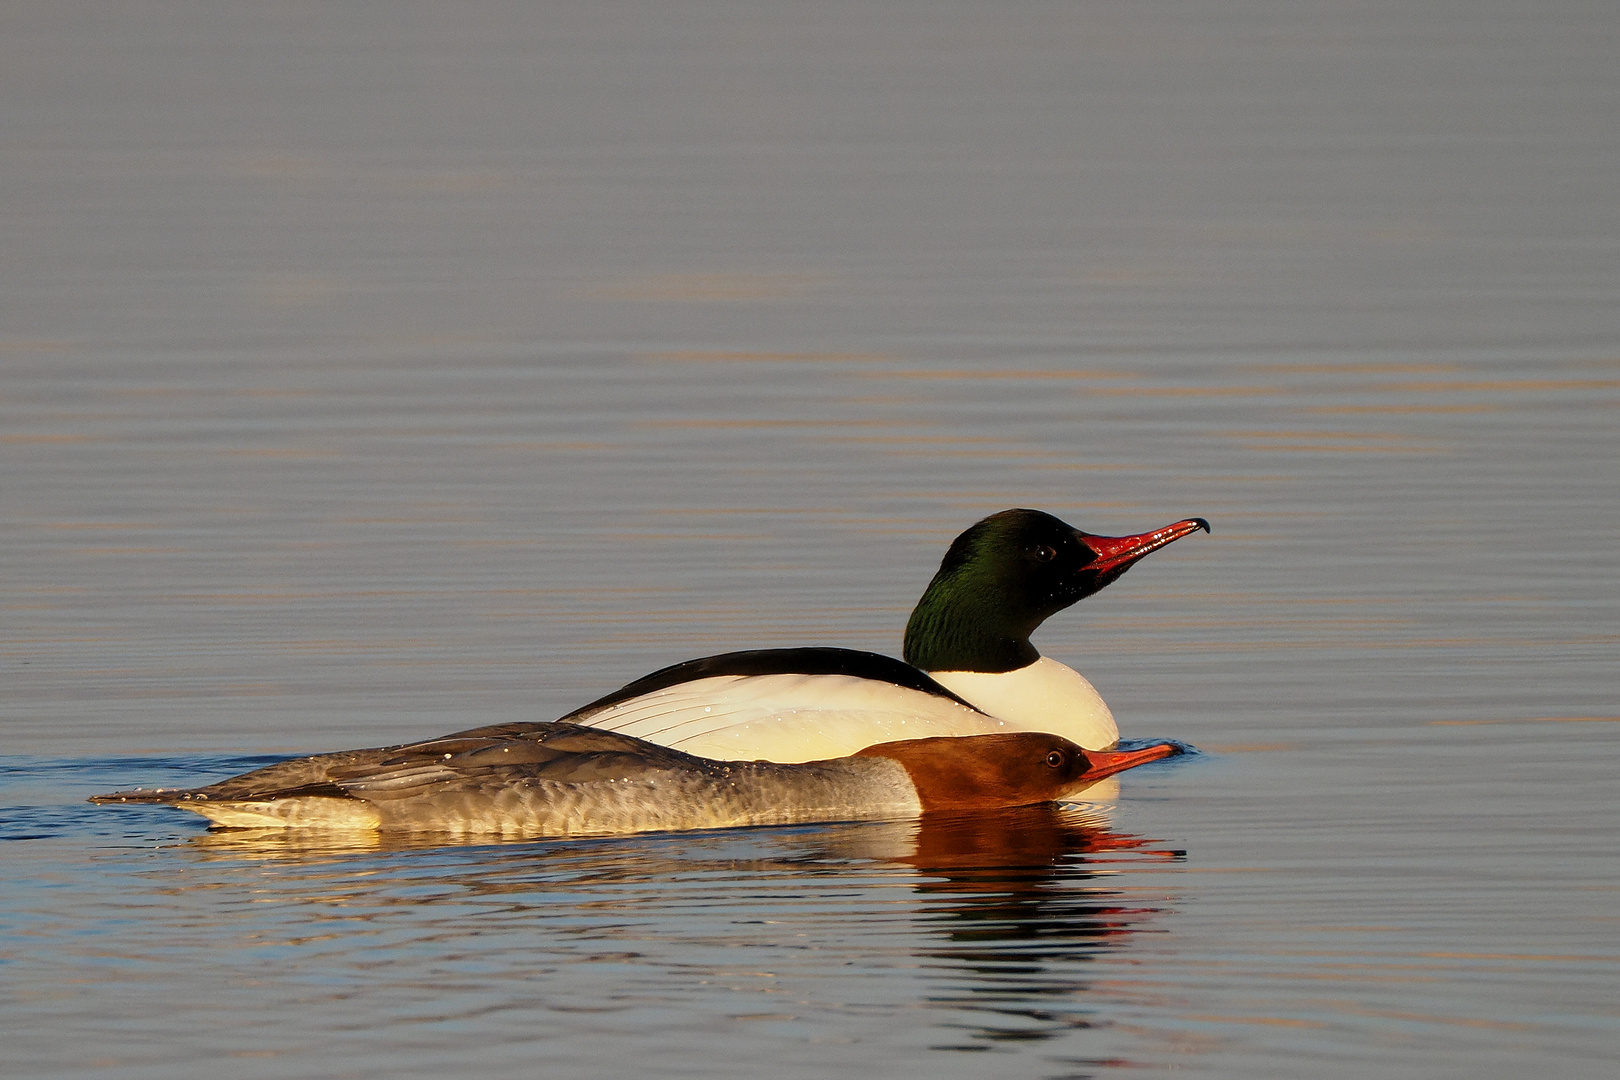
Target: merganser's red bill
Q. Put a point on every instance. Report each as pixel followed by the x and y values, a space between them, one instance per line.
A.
pixel 1119 552
pixel 1102 763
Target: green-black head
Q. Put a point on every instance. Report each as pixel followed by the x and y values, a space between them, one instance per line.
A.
pixel 1005 576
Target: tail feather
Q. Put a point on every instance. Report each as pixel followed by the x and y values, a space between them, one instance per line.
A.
pixel 152 796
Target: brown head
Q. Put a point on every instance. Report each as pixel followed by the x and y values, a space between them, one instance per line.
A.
pixel 965 772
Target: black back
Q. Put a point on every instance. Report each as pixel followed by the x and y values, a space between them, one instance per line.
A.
pixel 814 661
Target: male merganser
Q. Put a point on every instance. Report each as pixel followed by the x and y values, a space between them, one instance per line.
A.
pixel 556 779
pixel 969 666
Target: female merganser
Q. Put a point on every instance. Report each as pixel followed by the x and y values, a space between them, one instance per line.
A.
pixel 556 779
pixel 969 666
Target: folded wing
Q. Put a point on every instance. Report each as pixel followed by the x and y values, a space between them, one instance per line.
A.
pixel 785 705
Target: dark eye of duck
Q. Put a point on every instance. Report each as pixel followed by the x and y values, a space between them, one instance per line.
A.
pixel 1044 553
pixel 1055 759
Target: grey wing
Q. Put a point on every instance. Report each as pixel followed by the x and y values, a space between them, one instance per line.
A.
pixel 473 758
pixel 495 757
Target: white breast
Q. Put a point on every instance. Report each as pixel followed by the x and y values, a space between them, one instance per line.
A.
pixel 1043 696
pixel 788 718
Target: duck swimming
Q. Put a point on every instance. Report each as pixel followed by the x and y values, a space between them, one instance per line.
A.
pixel 560 779
pixel 969 667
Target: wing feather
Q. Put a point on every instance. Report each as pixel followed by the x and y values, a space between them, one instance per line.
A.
pixel 786 717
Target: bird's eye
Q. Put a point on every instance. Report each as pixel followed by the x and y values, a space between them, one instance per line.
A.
pixel 1045 553
pixel 1055 758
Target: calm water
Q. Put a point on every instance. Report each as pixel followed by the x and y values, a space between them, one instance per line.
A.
pixel 373 372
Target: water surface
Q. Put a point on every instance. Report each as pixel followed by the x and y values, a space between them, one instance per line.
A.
pixel 367 374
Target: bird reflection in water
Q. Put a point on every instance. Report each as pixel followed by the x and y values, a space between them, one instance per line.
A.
pixel 1006 910
pixel 1014 902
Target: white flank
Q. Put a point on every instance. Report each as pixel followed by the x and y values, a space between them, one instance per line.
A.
pixel 300 812
pixel 1043 696
pixel 788 718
